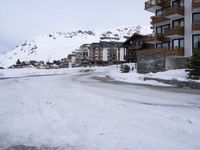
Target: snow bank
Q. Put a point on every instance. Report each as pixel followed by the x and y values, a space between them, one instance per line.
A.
pixel 7 73
pixel 134 77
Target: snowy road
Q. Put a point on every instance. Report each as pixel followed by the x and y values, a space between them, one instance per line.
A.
pixel 86 112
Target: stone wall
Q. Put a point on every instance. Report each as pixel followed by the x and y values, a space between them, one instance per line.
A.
pixel 150 61
pixel 182 84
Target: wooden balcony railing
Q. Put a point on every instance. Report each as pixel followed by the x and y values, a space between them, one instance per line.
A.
pixel 153 3
pixel 157 19
pixel 196 26
pixel 153 38
pixel 175 52
pixel 196 4
pixel 175 31
pixel 179 10
pixel 167 52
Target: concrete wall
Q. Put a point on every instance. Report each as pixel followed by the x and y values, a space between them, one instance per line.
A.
pixel 122 53
pixel 188 28
pixel 176 63
pixel 105 54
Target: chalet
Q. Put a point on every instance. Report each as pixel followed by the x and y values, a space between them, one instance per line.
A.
pixel 134 44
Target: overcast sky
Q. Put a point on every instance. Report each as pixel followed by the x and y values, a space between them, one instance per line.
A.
pixel 24 19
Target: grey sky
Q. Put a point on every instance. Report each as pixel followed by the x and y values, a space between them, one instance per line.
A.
pixel 23 19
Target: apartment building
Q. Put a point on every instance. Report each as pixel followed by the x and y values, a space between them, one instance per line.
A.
pixel 176 29
pixel 106 53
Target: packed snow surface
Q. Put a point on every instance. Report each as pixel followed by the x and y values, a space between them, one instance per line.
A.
pixel 76 110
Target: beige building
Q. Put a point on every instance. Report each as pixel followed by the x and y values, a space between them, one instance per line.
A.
pixel 176 28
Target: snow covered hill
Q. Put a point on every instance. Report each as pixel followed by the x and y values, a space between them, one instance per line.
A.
pixel 58 45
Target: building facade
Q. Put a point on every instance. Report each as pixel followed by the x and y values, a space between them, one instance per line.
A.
pixel 107 53
pixel 176 28
pixel 134 44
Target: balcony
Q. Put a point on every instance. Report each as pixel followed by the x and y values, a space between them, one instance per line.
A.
pixel 196 4
pixel 175 32
pixel 167 52
pixel 196 27
pixel 158 19
pixel 174 12
pixel 175 52
pixel 153 5
pixel 152 39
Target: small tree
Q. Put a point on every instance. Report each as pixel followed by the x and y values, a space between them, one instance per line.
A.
pixel 124 68
pixel 194 66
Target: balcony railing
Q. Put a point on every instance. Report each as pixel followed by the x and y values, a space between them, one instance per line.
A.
pixel 157 19
pixel 196 4
pixel 151 4
pixel 155 38
pixel 174 11
pixel 196 26
pixel 179 31
pixel 165 51
pixel 175 52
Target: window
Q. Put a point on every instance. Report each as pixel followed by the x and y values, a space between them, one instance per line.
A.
pixel 196 41
pixel 179 23
pixel 166 45
pixel 161 29
pixel 158 46
pixel 178 3
pixel 164 28
pixel 160 12
pixel 163 45
pixel 178 43
pixel 196 17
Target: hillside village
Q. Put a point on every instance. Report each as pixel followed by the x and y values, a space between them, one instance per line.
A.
pixel 127 88
pixel 165 49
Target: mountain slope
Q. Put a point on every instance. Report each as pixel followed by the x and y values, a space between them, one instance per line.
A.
pixel 58 45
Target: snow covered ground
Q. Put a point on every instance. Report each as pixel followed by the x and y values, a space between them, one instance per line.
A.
pixel 111 71
pixel 85 111
pixel 134 77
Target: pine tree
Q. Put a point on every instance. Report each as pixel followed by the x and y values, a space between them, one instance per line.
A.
pixel 124 68
pixel 194 66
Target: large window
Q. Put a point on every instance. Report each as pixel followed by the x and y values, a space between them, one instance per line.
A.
pixel 196 17
pixel 179 23
pixel 178 43
pixel 163 45
pixel 178 3
pixel 196 41
pixel 160 12
pixel 161 29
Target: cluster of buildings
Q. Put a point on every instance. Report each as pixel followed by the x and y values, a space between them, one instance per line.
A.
pixel 99 53
pixel 176 35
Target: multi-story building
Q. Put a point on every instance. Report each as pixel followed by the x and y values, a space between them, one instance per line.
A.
pixel 104 53
pixel 176 28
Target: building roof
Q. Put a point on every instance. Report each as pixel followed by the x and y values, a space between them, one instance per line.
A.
pixel 132 38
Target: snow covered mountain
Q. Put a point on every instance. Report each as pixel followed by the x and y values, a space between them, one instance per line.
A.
pixel 58 45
